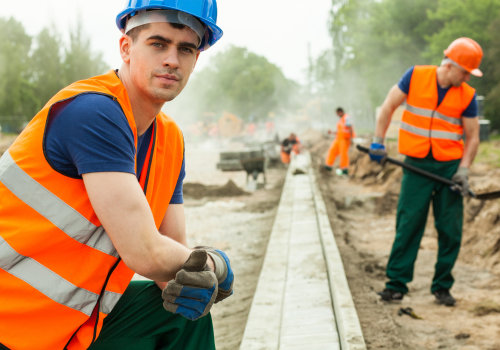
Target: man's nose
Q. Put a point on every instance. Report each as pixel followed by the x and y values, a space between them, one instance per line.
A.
pixel 171 58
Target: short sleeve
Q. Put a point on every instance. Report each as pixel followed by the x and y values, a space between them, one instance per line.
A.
pixel 89 133
pixel 177 196
pixel 471 110
pixel 404 82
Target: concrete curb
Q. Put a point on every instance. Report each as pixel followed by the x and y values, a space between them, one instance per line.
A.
pixel 302 299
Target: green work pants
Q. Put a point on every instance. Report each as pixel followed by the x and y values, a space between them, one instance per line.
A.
pixel 417 192
pixel 139 321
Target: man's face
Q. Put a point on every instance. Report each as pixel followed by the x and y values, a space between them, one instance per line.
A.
pixel 458 75
pixel 161 59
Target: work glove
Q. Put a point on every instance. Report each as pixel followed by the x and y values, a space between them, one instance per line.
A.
pixel 377 152
pixel 223 271
pixel 193 291
pixel 461 179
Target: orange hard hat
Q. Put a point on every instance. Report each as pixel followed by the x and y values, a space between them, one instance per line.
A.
pixel 467 54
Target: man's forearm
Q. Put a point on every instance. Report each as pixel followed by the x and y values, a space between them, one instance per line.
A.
pixel 394 98
pixel 471 131
pixel 383 121
pixel 470 151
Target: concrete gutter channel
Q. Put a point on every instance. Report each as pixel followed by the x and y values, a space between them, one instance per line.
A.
pixel 302 300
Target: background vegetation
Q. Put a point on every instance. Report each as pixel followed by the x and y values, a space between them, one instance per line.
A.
pixel 34 69
pixel 373 43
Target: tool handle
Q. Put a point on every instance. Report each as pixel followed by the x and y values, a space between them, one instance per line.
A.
pixel 415 169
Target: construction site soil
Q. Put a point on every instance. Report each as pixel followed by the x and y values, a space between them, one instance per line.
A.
pixel 222 211
pixel 362 209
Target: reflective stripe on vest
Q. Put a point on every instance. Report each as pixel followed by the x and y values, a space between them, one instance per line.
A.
pixel 428 113
pixel 46 281
pixel 444 135
pixel 52 208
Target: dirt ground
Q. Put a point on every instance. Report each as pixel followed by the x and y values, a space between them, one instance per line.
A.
pixel 362 214
pixel 221 211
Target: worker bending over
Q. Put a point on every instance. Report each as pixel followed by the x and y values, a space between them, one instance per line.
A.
pixel 91 193
pixel 340 145
pixel 290 146
pixel 440 112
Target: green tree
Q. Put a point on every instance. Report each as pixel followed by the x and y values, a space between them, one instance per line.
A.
pixel 492 96
pixel 46 66
pixel 79 60
pixel 240 82
pixel 375 41
pixel 16 96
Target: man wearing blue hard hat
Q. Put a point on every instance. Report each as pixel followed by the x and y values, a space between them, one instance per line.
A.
pixel 91 193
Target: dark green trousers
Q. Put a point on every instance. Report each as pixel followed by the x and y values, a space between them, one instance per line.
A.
pixel 139 321
pixel 417 193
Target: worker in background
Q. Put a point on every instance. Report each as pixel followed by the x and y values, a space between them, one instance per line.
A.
pixel 340 145
pixel 440 112
pixel 91 193
pixel 290 146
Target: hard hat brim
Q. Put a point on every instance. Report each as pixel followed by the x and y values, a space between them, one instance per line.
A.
pixel 476 72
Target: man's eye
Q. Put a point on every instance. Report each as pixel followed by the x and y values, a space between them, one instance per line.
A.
pixel 186 50
pixel 158 45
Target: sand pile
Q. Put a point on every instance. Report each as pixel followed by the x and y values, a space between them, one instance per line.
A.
pixel 197 190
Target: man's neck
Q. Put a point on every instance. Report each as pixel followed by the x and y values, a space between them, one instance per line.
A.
pixel 143 109
pixel 441 77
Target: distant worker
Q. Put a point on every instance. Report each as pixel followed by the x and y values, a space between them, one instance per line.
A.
pixel 291 145
pixel 91 193
pixel 440 112
pixel 340 145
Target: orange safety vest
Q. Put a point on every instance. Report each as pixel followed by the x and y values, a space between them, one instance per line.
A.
pixel 60 274
pixel 343 130
pixel 425 125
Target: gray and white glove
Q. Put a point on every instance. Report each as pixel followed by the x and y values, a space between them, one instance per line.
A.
pixel 461 180
pixel 194 289
pixel 223 271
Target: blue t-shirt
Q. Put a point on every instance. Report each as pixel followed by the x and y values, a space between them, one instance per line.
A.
pixel 90 133
pixel 404 85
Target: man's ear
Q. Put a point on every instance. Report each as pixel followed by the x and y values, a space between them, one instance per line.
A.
pixel 125 45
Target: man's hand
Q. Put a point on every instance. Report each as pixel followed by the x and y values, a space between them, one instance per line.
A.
pixel 461 178
pixel 377 152
pixel 223 272
pixel 194 289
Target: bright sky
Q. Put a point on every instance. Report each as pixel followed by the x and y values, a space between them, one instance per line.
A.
pixel 280 30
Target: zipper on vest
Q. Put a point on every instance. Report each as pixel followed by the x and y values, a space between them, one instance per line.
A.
pixel 96 307
pixel 98 304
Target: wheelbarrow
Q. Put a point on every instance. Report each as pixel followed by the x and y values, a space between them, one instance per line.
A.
pixel 254 163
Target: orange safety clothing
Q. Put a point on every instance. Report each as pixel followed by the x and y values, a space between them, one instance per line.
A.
pixel 344 127
pixel 287 147
pixel 425 125
pixel 340 145
pixel 60 274
pixel 285 157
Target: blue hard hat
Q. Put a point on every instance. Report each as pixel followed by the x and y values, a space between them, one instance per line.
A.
pixel 204 10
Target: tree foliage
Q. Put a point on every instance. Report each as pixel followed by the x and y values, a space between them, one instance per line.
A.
pixel 15 89
pixel 33 69
pixel 375 41
pixel 240 82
